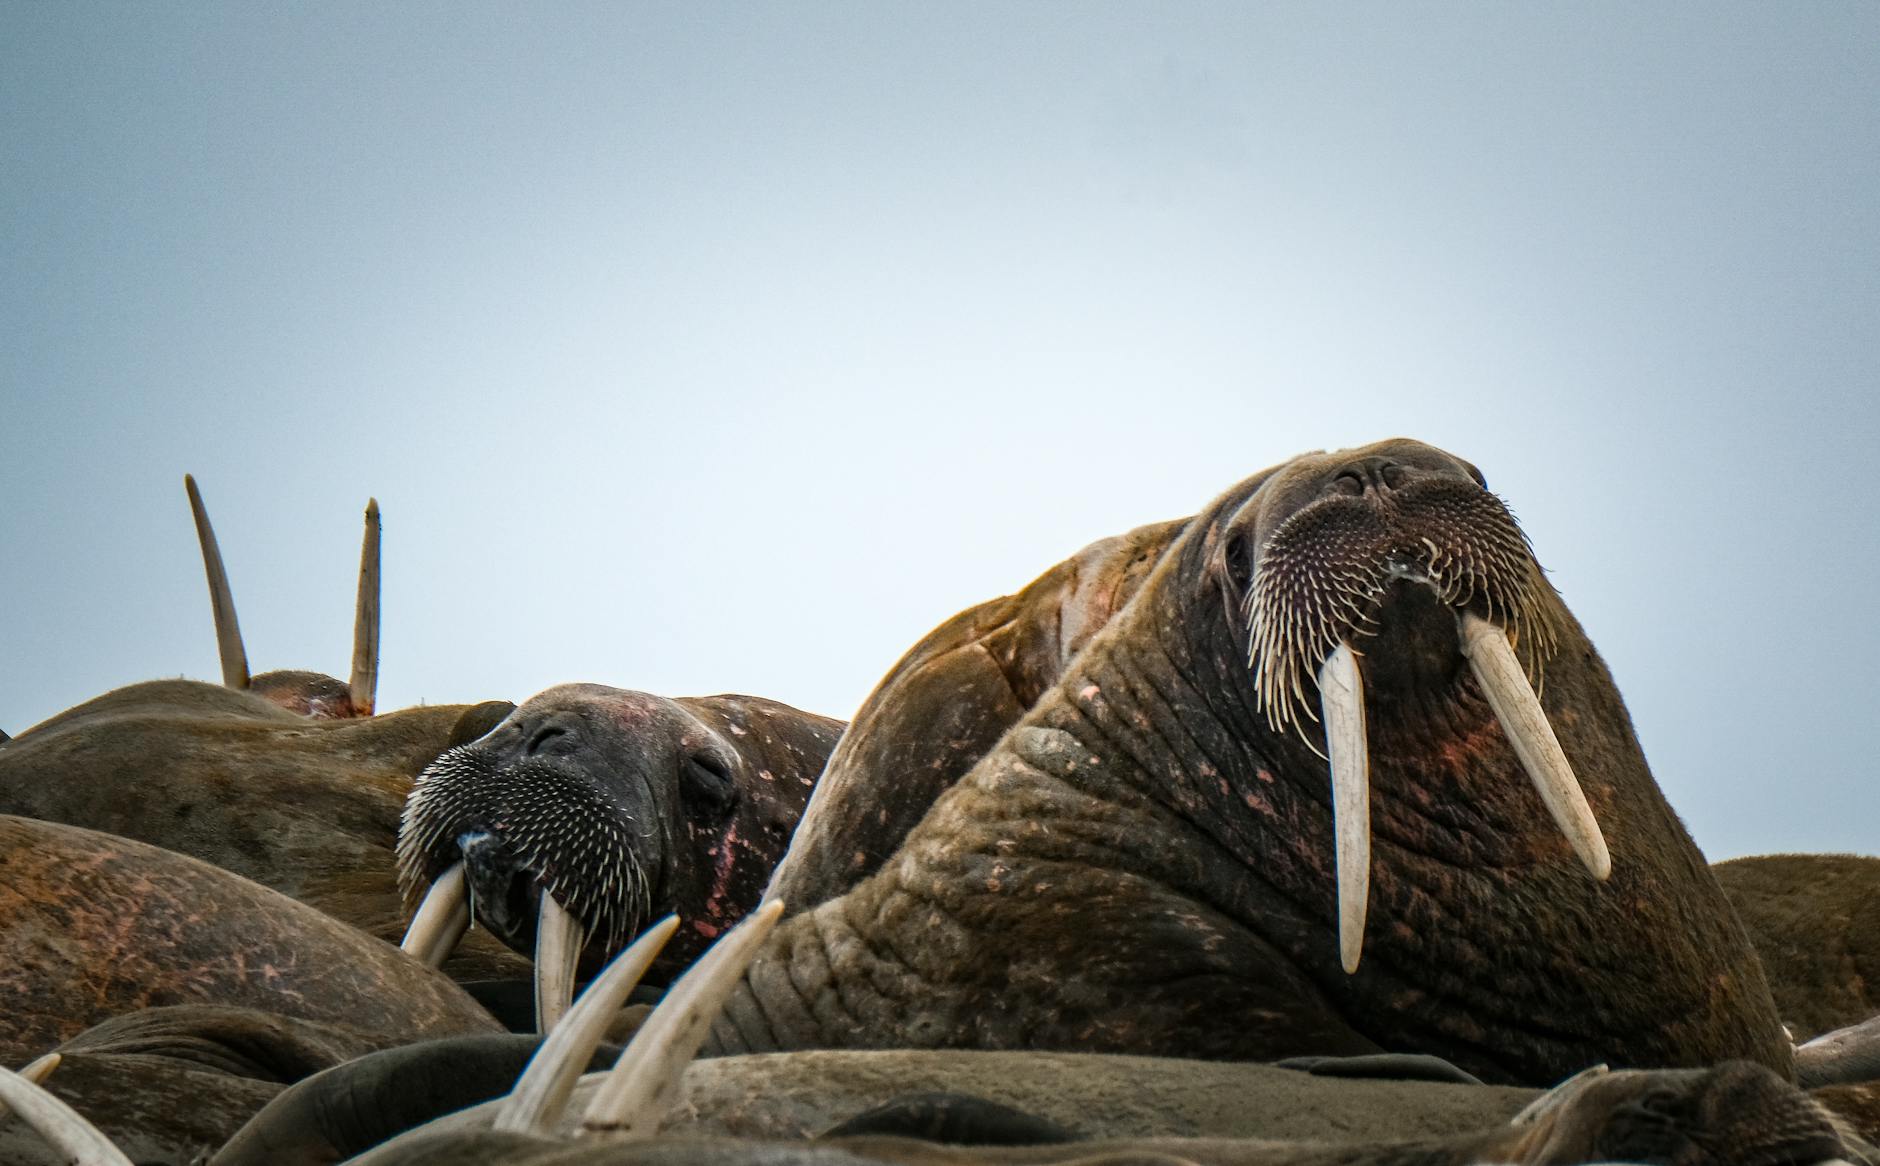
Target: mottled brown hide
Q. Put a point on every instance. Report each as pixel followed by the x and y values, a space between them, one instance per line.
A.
pixel 945 703
pixel 1815 921
pixel 1145 854
pixel 95 926
pixel 305 807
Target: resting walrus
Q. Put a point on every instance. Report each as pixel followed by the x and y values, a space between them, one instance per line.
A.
pixel 590 811
pixel 1146 862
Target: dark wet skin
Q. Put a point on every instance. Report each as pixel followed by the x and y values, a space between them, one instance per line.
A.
pixel 1144 857
pixel 686 803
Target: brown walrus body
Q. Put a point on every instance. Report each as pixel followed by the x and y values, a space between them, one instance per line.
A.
pixel 1144 864
pixel 945 703
pixel 95 926
pixel 307 807
pixel 1723 1116
pixel 1815 921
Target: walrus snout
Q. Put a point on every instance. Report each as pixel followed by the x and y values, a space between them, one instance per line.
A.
pixel 1339 538
pixel 504 892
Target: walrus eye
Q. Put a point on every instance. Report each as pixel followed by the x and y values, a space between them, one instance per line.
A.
pixel 1477 475
pixel 1239 563
pixel 707 779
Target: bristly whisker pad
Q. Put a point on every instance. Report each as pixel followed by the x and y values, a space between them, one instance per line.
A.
pixel 569 836
pixel 1323 575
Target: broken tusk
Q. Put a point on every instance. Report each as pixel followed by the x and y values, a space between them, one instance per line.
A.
pixel 559 937
pixel 632 1097
pixel 542 1092
pixel 228 633
pixel 441 920
pixel 1505 685
pixel 1341 698
pixel 76 1139
pixel 365 661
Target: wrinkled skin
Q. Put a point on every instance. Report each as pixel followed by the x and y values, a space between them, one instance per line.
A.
pixel 169 1085
pixel 1733 1114
pixel 945 703
pixel 1815 921
pixel 639 805
pixel 306 807
pixel 1144 855
pixel 351 1107
pixel 96 926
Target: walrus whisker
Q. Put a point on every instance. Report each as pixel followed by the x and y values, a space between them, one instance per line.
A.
pixel 59 1124
pixel 441 920
pixel 559 938
pixel 228 632
pixel 631 1098
pixel 542 1092
pixel 365 662
pixel 1492 658
pixel 1341 691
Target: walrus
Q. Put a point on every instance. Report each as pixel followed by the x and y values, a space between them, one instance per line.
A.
pixel 1726 1115
pixel 95 926
pixel 311 694
pixel 171 1084
pixel 589 811
pixel 1815 921
pixel 305 806
pixel 1156 846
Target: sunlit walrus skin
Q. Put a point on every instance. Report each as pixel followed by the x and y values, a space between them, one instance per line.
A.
pixel 96 926
pixel 305 806
pixel 1149 861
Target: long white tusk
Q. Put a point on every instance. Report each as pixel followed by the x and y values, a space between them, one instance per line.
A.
pixel 559 937
pixel 535 1104
pixel 441 920
pixel 365 661
pixel 80 1142
pixel 1341 698
pixel 1517 708
pixel 228 633
pixel 631 1099
pixel 36 1071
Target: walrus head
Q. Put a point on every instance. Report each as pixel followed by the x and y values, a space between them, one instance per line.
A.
pixel 591 810
pixel 1397 553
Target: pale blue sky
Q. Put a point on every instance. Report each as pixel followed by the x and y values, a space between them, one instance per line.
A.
pixel 731 347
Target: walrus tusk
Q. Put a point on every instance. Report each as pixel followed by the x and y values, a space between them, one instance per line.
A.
pixel 1341 698
pixel 228 633
pixel 365 661
pixel 36 1071
pixel 76 1139
pixel 632 1097
pixel 542 1092
pixel 1499 673
pixel 559 937
pixel 441 920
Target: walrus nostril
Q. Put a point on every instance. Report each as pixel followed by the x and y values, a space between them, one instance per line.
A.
pixel 1367 474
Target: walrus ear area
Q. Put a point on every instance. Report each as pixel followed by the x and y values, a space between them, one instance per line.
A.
pixel 705 781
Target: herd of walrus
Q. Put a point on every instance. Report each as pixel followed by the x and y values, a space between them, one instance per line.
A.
pixel 1310 829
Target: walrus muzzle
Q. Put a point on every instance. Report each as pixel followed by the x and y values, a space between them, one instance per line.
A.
pixel 520 845
pixel 1323 577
